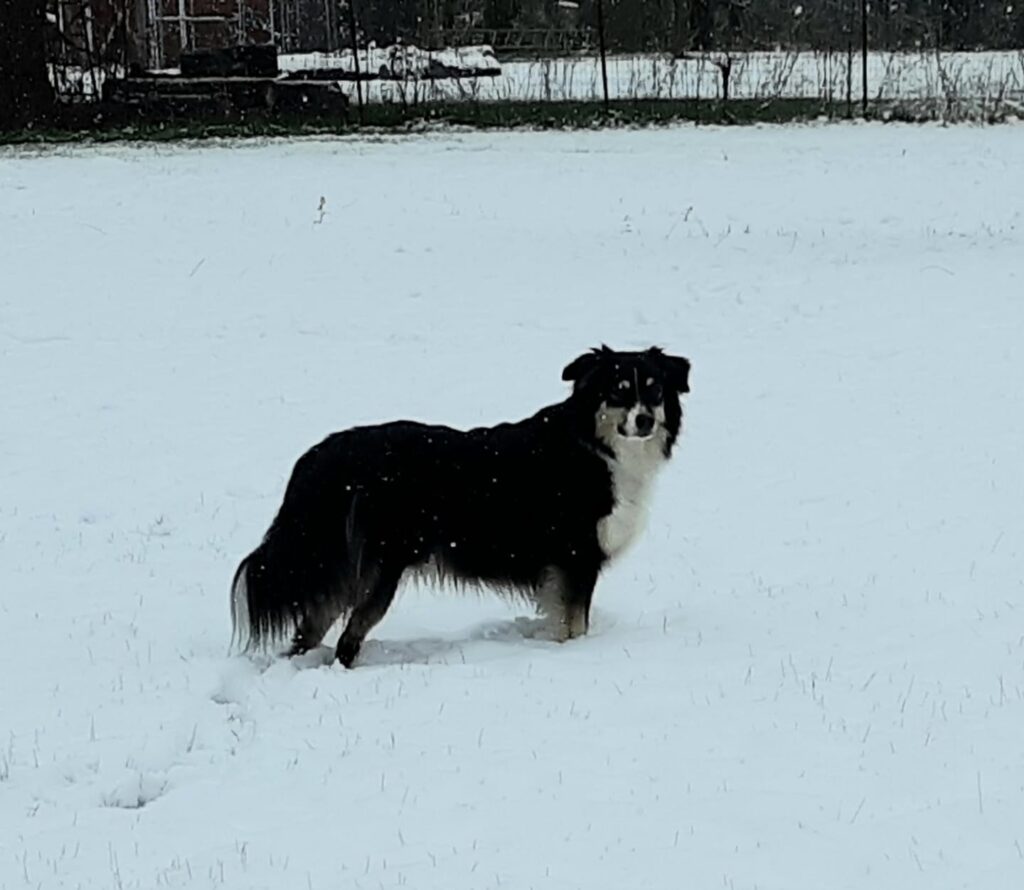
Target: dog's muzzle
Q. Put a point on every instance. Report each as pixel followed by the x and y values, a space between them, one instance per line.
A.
pixel 639 426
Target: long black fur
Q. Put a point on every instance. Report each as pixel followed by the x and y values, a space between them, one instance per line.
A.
pixel 515 506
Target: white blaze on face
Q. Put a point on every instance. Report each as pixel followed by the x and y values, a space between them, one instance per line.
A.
pixel 629 425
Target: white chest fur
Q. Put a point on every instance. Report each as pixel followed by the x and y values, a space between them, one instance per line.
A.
pixel 633 470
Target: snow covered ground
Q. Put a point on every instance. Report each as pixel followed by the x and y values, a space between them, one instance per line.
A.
pixel 769 75
pixel 808 674
pixel 908 76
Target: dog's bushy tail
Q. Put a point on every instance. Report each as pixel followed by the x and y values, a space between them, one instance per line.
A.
pixel 305 564
pixel 270 591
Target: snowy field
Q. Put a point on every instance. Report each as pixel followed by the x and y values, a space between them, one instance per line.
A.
pixel 809 675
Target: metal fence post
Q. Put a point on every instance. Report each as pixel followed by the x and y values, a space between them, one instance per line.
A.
pixel 601 41
pixel 351 4
pixel 864 57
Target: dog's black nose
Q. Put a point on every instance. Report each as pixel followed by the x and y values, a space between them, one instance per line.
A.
pixel 644 424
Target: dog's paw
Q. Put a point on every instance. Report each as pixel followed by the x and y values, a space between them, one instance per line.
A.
pixel 347 652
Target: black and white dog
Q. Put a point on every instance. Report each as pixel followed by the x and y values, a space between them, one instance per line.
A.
pixel 534 508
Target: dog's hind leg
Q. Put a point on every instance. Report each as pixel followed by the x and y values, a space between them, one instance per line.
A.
pixel 313 628
pixel 366 615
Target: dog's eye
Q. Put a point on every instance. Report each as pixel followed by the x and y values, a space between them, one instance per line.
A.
pixel 624 384
pixel 654 393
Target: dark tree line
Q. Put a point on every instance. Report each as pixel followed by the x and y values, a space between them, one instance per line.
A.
pixel 25 92
pixel 702 25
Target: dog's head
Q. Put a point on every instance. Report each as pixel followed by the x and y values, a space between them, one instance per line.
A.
pixel 634 395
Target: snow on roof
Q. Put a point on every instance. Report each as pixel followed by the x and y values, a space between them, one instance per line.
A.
pixel 399 59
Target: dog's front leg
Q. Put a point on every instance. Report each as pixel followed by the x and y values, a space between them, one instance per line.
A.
pixel 564 598
pixel 579 590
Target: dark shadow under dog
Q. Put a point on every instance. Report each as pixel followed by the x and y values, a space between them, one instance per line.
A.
pixel 438 649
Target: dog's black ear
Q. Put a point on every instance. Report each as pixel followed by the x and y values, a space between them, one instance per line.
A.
pixel 678 372
pixel 585 365
pixel 677 368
